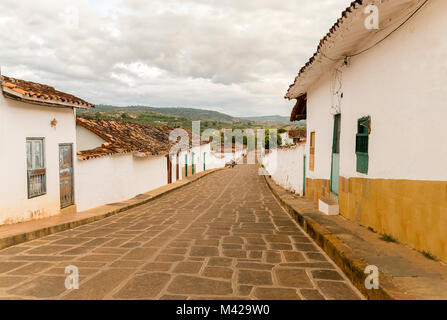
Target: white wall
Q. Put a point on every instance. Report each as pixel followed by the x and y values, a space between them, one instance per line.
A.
pixel 401 84
pixel 285 165
pixel 19 120
pixel 87 140
pixel 116 178
pixel 320 121
pixel 119 177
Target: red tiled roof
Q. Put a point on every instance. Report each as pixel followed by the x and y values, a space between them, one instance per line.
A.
pixel 299 111
pixel 123 136
pixel 297 134
pixel 39 93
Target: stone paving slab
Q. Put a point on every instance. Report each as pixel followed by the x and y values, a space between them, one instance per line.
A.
pixel 404 272
pixel 222 237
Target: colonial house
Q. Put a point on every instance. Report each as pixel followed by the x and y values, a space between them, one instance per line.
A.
pixel 37 140
pixel 118 160
pixel 375 104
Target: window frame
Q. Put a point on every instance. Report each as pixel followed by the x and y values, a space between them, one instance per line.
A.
pixel 36 171
pixel 362 158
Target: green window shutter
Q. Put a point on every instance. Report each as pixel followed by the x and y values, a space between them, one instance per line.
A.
pixel 362 144
pixel 186 165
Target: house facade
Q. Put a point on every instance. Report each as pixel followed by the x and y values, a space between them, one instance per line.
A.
pixel 37 143
pixel 375 105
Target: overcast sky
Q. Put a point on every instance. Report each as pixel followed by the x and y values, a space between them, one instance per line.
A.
pixel 232 56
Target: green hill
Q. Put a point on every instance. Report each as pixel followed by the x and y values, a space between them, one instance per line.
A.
pixel 191 113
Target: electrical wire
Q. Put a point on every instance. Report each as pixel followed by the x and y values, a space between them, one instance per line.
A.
pixel 381 40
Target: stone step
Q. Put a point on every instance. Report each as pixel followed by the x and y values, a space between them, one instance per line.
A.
pixel 328 207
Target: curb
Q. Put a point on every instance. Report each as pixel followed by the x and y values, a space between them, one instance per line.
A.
pixel 15 239
pixel 336 249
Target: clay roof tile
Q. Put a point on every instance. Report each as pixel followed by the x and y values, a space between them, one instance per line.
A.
pixel 39 91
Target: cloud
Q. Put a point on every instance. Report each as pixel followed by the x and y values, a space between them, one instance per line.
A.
pixel 230 55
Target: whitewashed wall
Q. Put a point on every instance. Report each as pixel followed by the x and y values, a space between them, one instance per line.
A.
pixel 19 120
pixel 87 140
pixel 285 165
pixel 116 178
pixel 401 84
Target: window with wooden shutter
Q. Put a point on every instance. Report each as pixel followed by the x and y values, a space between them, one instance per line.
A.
pixel 362 144
pixel 312 151
pixel 36 172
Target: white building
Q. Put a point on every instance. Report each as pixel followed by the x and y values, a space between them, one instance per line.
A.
pixel 37 140
pixel 118 160
pixel 285 139
pixel 375 104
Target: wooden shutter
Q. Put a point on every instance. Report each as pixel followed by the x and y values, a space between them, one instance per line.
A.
pixel 362 144
pixel 312 152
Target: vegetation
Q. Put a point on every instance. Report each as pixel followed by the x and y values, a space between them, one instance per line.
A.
pixel 177 117
pixel 388 238
pixel 428 255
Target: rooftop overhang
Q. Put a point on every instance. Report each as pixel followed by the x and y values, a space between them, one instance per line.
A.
pixel 349 37
pixel 299 111
pixel 24 97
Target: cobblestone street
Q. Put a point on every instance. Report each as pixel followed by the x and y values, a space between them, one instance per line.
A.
pixel 222 237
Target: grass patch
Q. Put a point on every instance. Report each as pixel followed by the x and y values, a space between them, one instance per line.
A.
pixel 388 238
pixel 428 255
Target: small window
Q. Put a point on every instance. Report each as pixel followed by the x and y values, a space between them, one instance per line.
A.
pixel 312 152
pixel 36 172
pixel 362 144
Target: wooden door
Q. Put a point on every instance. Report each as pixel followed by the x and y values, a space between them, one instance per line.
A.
pixel 177 165
pixel 335 170
pixel 169 168
pixel 66 175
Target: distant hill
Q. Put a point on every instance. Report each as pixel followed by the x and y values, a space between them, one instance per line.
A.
pixel 183 117
pixel 274 119
pixel 190 113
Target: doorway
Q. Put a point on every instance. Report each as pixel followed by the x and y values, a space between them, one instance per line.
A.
pixel 335 166
pixel 169 168
pixel 66 175
pixel 304 175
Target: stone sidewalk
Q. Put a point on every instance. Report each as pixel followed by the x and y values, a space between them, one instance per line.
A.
pixel 405 273
pixel 222 237
pixel 22 232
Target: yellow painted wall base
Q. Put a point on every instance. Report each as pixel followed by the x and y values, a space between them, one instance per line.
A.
pixel 189 171
pixel 69 210
pixel 317 189
pixel 412 211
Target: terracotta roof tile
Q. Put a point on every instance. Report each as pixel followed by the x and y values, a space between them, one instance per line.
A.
pixel 297 134
pixel 123 137
pixel 39 93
